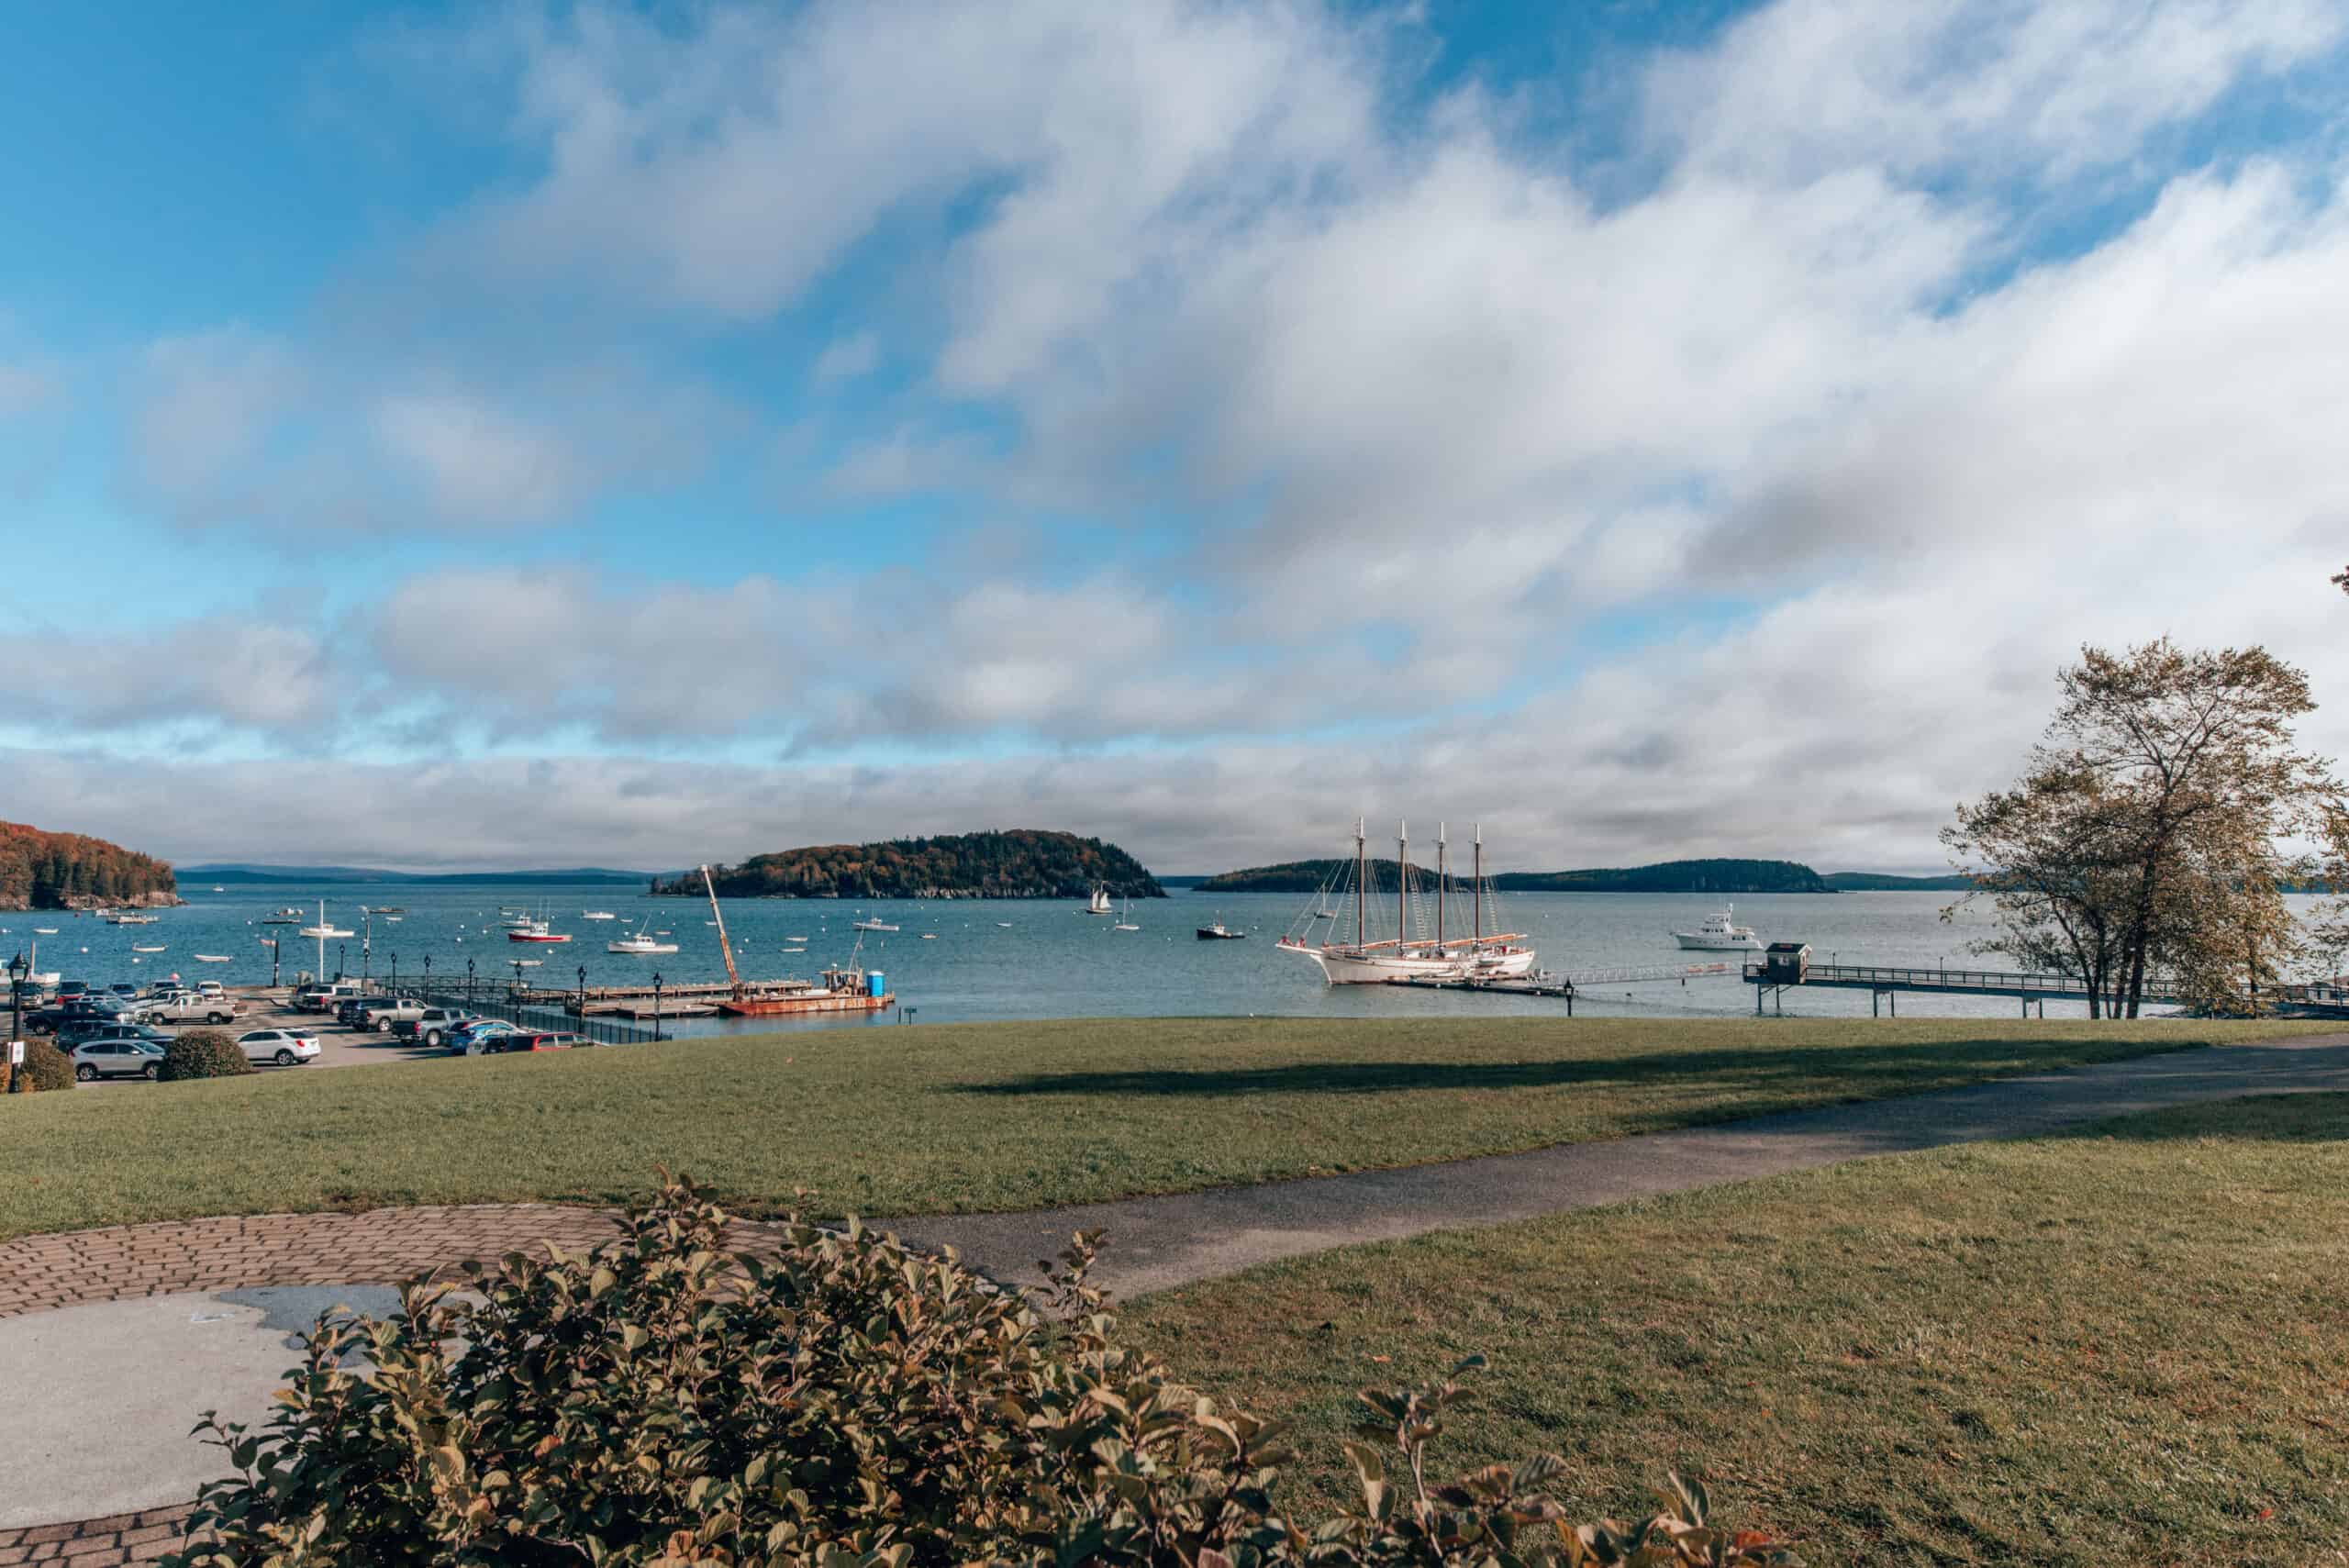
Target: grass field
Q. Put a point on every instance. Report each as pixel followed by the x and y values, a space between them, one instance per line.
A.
pixel 2125 1347
pixel 972 1117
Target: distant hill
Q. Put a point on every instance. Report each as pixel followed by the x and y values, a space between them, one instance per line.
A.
pixel 71 870
pixel 1879 882
pixel 1671 876
pixel 1014 863
pixel 241 872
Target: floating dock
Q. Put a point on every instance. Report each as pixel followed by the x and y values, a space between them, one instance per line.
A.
pixel 1566 987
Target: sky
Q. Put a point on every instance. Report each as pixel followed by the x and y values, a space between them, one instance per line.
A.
pixel 533 435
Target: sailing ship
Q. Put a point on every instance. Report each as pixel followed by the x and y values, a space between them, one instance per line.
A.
pixel 1413 951
pixel 1100 904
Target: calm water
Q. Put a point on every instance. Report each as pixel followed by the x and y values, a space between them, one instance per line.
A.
pixel 1013 959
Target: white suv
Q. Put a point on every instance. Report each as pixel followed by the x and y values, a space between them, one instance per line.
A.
pixel 285 1047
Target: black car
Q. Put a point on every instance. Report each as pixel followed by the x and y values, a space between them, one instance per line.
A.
pixel 354 1012
pixel 81 1011
pixel 72 1037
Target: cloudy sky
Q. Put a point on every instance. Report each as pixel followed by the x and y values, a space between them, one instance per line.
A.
pixel 526 436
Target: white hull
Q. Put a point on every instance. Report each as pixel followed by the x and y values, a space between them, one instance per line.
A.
pixel 1341 966
pixel 640 946
pixel 1702 943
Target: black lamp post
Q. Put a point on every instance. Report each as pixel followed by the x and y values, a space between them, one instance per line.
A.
pixel 656 1004
pixel 469 982
pixel 582 990
pixel 18 970
pixel 427 973
pixel 393 983
pixel 275 954
pixel 342 959
pixel 517 979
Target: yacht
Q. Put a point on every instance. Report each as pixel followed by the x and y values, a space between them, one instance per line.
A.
pixel 1719 934
pixel 637 942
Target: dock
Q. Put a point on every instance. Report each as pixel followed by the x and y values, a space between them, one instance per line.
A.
pixel 1564 987
pixel 1884 983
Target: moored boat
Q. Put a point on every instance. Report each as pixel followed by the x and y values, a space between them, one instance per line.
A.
pixel 1720 933
pixel 1414 951
pixel 1218 932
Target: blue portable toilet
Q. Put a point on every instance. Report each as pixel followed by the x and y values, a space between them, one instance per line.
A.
pixel 875 983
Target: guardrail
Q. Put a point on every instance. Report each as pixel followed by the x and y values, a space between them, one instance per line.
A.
pixel 496 1004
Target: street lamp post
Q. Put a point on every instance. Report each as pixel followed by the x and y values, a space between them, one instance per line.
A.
pixel 342 959
pixel 582 990
pixel 427 973
pixel 656 1004
pixel 395 980
pixel 469 982
pixel 18 970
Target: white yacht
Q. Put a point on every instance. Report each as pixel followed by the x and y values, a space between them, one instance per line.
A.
pixel 637 942
pixel 1720 933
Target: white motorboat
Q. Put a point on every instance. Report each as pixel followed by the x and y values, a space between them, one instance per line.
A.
pixel 637 942
pixel 870 925
pixel 597 914
pixel 135 947
pixel 1720 933
pixel 212 958
pixel 130 918
pixel 1415 951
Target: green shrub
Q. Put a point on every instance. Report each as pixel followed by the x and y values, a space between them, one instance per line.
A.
pixel 843 1404
pixel 203 1053
pixel 46 1067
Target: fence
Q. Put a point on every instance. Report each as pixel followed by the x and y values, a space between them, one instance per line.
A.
pixel 496 1001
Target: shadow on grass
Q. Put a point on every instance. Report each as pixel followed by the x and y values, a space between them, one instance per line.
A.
pixel 1870 1065
pixel 2306 1115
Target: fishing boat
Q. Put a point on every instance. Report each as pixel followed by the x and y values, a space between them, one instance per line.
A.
pixel 637 942
pixel 1720 933
pixel 871 925
pixel 130 918
pixel 1218 932
pixel 535 932
pixel 1413 951
pixel 1100 904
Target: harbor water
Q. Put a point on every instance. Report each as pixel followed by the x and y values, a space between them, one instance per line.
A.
pixel 963 959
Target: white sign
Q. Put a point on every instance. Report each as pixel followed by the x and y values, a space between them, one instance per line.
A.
pixel 15 1053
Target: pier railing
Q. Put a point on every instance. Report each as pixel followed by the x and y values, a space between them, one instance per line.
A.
pixel 500 1003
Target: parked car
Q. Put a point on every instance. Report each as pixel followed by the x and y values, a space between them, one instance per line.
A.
pixel 471 1039
pixel 116 1059
pixel 532 1039
pixel 358 1012
pixel 403 1009
pixel 124 989
pixel 332 994
pixel 83 1009
pixel 287 1048
pixel 191 1007
pixel 211 988
pixel 72 1037
pixel 69 990
pixel 431 1025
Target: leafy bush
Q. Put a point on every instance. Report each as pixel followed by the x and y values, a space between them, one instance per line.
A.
pixel 844 1404
pixel 46 1067
pixel 203 1053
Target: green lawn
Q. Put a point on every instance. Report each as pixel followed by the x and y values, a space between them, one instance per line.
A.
pixel 899 1120
pixel 2126 1346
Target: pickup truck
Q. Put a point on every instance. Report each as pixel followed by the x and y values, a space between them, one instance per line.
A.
pixel 428 1026
pixel 189 1007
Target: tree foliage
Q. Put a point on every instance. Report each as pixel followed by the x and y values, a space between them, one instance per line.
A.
pixel 2157 827
pixel 1015 863
pixel 842 1403
pixel 56 870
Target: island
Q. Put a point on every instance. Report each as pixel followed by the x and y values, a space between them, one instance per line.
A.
pixel 1022 863
pixel 1726 876
pixel 71 870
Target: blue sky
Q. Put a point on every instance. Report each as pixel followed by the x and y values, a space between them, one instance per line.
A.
pixel 505 434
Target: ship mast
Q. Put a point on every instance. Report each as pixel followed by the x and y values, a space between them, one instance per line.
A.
pixel 1476 891
pixel 1362 886
pixel 1402 884
pixel 1442 885
pixel 725 944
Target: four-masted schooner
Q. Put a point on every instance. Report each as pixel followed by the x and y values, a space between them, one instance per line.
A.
pixel 1415 951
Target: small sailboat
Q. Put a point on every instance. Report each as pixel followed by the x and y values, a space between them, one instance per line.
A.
pixel 1100 904
pixel 1126 919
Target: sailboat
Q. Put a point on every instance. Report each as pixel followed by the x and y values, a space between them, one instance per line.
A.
pixel 1100 904
pixel 1126 917
pixel 1411 952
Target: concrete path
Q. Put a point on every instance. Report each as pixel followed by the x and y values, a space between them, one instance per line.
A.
pixel 1158 1242
pixel 113 1341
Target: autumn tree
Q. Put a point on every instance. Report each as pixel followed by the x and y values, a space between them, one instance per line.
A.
pixel 2151 838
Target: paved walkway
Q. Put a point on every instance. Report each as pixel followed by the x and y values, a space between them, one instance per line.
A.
pixel 187 1327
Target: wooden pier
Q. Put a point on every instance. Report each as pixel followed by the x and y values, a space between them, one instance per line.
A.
pixel 1885 983
pixel 1564 987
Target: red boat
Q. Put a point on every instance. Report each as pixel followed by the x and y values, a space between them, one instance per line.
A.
pixel 536 931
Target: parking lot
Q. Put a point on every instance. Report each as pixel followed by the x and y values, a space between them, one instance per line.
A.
pixel 338 1046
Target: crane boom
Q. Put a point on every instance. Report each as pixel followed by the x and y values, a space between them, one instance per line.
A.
pixel 725 946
